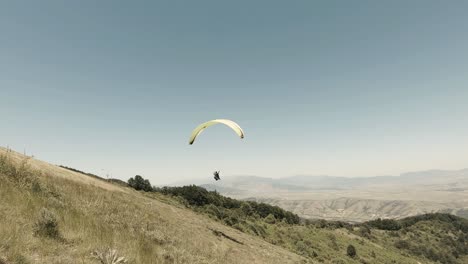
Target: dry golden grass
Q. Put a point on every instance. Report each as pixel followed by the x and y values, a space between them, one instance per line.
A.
pixel 55 171
pixel 93 215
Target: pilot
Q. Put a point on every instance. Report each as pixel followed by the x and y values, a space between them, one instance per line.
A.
pixel 216 175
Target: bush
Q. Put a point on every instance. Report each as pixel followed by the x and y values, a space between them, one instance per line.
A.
pixel 20 174
pixel 257 229
pixel 402 244
pixel 364 231
pixel 246 209
pixel 47 224
pixel 230 220
pixel 270 219
pixel 351 251
pixel 333 242
pixel 36 187
pixel 385 224
pixel 214 211
pixel 140 184
pixel 301 247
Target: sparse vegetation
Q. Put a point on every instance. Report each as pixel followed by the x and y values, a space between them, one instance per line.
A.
pixel 47 224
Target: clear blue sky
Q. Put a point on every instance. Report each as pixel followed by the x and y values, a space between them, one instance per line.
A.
pixel 351 88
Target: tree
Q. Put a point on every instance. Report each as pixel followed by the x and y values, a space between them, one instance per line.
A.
pixel 138 183
pixel 351 251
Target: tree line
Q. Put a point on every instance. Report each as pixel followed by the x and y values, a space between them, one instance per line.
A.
pixel 196 196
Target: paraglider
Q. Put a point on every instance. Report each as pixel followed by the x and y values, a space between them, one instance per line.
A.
pixel 200 128
pixel 216 175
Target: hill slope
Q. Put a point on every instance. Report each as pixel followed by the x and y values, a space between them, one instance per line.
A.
pixel 57 215
pixel 89 215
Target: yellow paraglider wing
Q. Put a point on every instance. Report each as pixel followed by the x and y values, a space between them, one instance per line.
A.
pixel 199 129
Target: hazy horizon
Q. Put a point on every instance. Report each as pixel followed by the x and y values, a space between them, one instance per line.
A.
pixel 336 88
pixel 207 180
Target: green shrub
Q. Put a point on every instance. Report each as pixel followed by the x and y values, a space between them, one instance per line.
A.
pixel 334 243
pixel 20 174
pixel 384 224
pixel 365 231
pixel 246 209
pixel 36 187
pixel 140 184
pixel 47 224
pixel 351 251
pixel 402 244
pixel 301 246
pixel 270 219
pixel 214 211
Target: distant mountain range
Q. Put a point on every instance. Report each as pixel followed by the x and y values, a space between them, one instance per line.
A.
pixel 354 199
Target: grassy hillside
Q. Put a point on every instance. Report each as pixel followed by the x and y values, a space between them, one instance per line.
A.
pixel 426 238
pixel 438 237
pixel 53 215
pixel 61 215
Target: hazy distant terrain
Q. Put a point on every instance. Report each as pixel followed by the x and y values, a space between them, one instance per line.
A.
pixel 355 199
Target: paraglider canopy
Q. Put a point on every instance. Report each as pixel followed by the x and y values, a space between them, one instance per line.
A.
pixel 199 129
